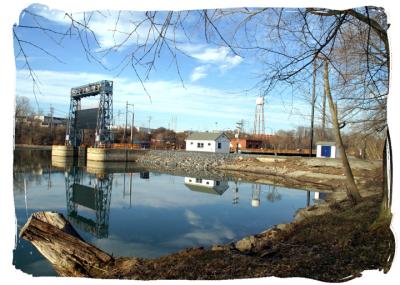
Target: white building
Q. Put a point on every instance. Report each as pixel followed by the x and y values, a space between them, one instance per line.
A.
pixel 46 121
pixel 206 185
pixel 208 142
pixel 327 149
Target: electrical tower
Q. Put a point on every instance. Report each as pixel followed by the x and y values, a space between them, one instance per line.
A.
pixel 259 123
pixel 100 118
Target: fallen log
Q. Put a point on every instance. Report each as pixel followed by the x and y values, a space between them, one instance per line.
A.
pixel 57 240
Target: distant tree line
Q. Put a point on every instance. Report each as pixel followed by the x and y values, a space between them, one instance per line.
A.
pixel 30 131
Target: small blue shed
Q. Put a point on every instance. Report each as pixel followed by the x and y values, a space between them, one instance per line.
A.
pixel 326 149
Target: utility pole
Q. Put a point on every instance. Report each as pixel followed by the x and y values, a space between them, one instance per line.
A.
pixel 126 121
pixel 52 116
pixel 149 124
pixel 132 123
pixel 51 123
pixel 312 107
pixel 239 126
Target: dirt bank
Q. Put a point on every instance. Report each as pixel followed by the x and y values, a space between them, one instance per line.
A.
pixel 314 174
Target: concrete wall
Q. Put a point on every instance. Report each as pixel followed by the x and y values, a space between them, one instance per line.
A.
pixel 106 154
pixel 62 150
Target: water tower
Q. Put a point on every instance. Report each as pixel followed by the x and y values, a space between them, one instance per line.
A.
pixel 255 195
pixel 259 123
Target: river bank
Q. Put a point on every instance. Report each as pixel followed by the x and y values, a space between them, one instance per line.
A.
pixel 334 245
pixel 328 242
pixel 312 174
pixel 32 147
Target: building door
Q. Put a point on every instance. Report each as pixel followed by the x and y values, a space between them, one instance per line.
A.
pixel 326 151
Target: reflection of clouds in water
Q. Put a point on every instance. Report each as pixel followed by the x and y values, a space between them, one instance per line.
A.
pixel 119 247
pixel 192 218
pixel 217 234
pixel 204 233
pixel 41 196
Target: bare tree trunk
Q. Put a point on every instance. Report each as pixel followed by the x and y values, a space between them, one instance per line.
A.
pixel 323 115
pixel 69 254
pixel 351 187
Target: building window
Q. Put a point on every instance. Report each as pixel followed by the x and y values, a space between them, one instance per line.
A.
pixel 219 145
pixel 207 182
pixel 217 183
pixel 191 142
pixel 199 180
pixel 200 145
pixel 209 143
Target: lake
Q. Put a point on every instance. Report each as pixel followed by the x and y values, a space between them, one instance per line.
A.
pixel 136 212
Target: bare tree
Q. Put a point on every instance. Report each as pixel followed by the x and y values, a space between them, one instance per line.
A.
pixel 286 41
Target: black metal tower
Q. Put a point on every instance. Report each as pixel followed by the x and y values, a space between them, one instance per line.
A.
pixel 104 117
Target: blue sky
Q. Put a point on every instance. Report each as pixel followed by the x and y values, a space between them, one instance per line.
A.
pixel 217 90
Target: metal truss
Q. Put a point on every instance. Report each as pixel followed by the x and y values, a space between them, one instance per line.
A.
pixel 104 136
pixel 102 198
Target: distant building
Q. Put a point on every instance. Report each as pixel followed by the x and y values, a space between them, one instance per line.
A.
pixel 327 149
pixel 140 144
pixel 206 185
pixel 208 142
pixel 237 144
pixel 46 121
pixel 145 130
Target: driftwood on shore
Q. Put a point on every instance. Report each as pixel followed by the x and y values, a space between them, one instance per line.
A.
pixel 57 240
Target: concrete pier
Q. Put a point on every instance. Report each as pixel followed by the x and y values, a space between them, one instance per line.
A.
pixel 108 154
pixel 68 151
pixel 62 150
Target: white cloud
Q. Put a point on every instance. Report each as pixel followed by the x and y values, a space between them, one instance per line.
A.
pixel 199 72
pixel 113 29
pixel 194 100
pixel 220 56
pixel 191 104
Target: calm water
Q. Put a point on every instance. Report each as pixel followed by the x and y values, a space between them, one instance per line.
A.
pixel 140 213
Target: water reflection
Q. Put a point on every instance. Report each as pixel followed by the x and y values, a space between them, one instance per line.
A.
pixel 92 199
pixel 144 175
pixel 209 186
pixel 150 213
pixel 320 197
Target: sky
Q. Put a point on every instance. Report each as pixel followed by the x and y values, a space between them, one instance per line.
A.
pixel 218 88
pixel 10 80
